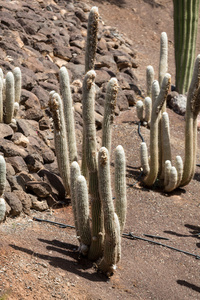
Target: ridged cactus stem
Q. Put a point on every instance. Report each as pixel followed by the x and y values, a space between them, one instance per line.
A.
pixel 149 80
pixel 74 173
pixel 10 98
pixel 2 209
pixel 112 238
pixel 186 14
pixel 166 147
pixel 91 45
pixel 1 74
pixel 154 149
pixel 2 175
pixel 155 91
pixel 60 139
pixel 1 100
pixel 83 219
pixel 120 186
pixel 109 113
pixel 18 83
pixel 91 159
pixel 192 109
pixel 163 63
pixel 68 113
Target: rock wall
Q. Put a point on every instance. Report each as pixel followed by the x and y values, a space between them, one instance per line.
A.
pixel 40 37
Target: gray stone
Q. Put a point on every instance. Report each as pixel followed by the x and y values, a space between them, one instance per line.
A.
pixel 6 131
pixel 14 203
pixel 39 188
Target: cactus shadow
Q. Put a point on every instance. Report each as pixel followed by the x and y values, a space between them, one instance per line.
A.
pixel 77 265
pixel 189 285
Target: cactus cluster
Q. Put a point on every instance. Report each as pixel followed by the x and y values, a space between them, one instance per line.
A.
pixel 160 165
pixel 98 224
pixel 10 93
pixel 143 108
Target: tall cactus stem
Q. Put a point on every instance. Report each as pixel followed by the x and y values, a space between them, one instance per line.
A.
pixel 149 80
pixel 120 186
pixel 74 173
pixel 83 219
pixel 10 97
pixel 68 113
pixel 109 112
pixel 186 14
pixel 91 44
pixel 91 159
pixel 18 83
pixel 111 242
pixel 154 150
pixel 163 63
pixel 192 109
pixel 166 147
pixel 60 139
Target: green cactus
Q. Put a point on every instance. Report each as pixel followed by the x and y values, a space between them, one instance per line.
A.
pixel 186 14
pixel 109 112
pixel 60 139
pixel 68 113
pixel 10 98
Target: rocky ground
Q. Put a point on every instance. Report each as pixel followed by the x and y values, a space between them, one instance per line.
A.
pixel 40 260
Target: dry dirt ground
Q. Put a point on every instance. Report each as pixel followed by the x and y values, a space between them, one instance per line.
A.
pixel 40 261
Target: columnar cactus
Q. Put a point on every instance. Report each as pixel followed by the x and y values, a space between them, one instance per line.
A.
pixel 91 159
pixel 180 174
pixel 74 173
pixel 60 138
pixel 91 45
pixel 186 14
pixel 10 98
pixel 163 62
pixel 149 80
pixel 18 83
pixel 109 111
pixel 68 112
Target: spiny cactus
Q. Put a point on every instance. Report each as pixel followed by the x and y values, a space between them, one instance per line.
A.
pixel 149 80
pixel 109 111
pixel 181 174
pixel 91 45
pixel 60 139
pixel 186 15
pixel 18 83
pixel 68 111
pixel 10 98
